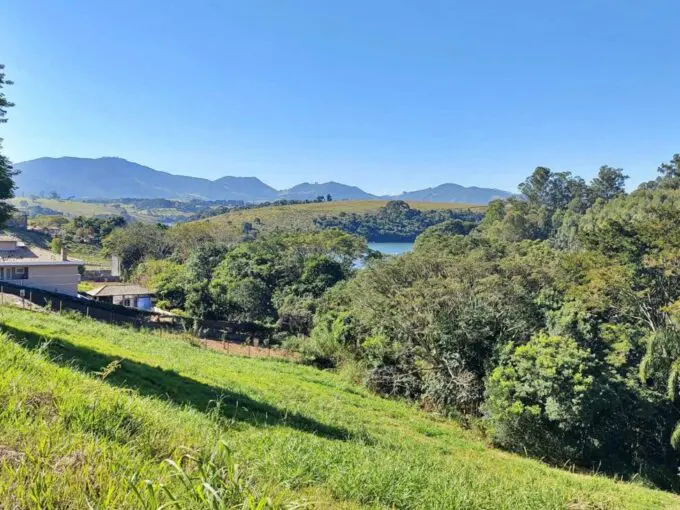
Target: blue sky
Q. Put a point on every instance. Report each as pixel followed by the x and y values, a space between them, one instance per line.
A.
pixel 386 95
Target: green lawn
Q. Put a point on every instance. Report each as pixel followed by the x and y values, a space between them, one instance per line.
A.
pixel 73 433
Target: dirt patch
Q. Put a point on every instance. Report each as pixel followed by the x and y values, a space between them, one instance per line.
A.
pixel 252 351
pixel 11 456
pixel 42 401
pixel 72 461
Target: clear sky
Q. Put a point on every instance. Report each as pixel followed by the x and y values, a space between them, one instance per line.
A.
pixel 384 94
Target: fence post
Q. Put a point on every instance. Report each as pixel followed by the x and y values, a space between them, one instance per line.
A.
pixel 60 305
pixel 30 296
pixel 2 293
pixel 87 311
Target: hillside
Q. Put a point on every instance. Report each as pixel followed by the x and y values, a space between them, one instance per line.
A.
pixel 91 410
pixel 110 178
pixel 309 191
pixel 72 208
pixel 301 217
pixel 455 193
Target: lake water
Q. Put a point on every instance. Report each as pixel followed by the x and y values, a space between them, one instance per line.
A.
pixel 391 248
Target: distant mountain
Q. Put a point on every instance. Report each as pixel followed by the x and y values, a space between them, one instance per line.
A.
pixel 248 189
pixel 117 178
pixel 454 193
pixel 110 178
pixel 309 191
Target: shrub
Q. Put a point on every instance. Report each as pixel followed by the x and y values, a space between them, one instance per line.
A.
pixel 543 398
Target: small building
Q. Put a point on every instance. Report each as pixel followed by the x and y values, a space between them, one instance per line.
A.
pixel 130 295
pixel 37 268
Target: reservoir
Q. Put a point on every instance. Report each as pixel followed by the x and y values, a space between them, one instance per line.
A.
pixel 391 248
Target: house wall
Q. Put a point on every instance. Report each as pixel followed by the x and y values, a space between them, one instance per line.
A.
pixel 54 278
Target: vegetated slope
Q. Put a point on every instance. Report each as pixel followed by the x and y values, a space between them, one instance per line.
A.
pixel 300 217
pixel 67 207
pixel 73 440
pixel 72 208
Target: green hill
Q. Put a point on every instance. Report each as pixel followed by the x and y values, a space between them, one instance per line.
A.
pixel 72 208
pixel 89 412
pixel 301 216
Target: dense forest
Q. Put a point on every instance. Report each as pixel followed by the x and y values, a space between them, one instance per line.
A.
pixel 554 325
pixel 398 222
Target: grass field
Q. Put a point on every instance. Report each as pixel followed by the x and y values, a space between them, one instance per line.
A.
pixel 90 411
pixel 73 208
pixel 301 216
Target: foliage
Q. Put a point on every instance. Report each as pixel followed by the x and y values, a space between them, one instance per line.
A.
pixel 136 243
pixel 397 221
pixel 82 229
pixel 274 279
pixel 558 311
pixel 210 480
pixel 544 397
pixel 7 173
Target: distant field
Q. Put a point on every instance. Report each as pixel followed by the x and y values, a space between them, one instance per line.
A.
pixel 74 208
pixel 86 406
pixel 301 216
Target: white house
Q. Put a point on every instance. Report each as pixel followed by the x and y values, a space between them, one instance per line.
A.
pixel 126 294
pixel 38 268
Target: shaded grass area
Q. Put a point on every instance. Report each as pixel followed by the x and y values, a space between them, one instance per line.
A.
pixel 169 385
pixel 308 432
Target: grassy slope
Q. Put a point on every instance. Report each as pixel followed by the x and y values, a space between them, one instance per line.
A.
pixel 309 431
pixel 75 208
pixel 301 216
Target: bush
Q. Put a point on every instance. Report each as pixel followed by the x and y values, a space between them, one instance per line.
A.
pixel 328 345
pixel 544 397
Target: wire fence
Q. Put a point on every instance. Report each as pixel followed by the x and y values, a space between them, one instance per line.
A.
pixel 216 331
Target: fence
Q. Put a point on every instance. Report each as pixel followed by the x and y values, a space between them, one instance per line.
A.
pixel 117 314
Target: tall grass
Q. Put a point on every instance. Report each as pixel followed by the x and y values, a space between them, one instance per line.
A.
pixel 97 416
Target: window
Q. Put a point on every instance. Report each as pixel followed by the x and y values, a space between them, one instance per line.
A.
pixel 13 273
pixel 17 273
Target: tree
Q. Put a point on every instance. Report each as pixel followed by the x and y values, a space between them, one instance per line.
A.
pixel 329 198
pixel 609 183
pixel 137 242
pixel 7 173
pixel 670 173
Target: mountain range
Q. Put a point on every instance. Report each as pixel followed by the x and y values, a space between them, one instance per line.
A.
pixel 110 178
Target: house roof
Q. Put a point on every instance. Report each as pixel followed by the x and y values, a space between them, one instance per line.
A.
pixel 112 289
pixel 30 255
